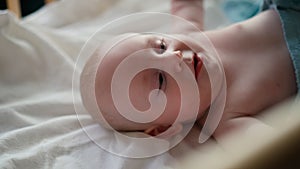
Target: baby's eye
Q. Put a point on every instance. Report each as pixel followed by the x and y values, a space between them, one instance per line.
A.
pixel 161 46
pixel 161 81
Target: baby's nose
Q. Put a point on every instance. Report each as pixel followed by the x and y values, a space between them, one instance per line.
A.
pixel 185 55
pixel 178 53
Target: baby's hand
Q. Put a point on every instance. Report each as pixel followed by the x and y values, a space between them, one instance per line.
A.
pixel 191 10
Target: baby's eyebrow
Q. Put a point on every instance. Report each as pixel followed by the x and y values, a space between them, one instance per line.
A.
pixel 150 42
pixel 148 79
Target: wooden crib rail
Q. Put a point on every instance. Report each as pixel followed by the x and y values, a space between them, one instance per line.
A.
pixel 49 1
pixel 14 6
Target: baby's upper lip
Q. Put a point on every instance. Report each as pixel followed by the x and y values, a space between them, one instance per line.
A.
pixel 195 60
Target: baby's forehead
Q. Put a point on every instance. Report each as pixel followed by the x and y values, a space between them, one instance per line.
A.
pixel 122 46
pixel 120 40
pixel 111 54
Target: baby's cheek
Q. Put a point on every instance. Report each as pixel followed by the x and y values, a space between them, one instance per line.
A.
pixel 173 103
pixel 139 93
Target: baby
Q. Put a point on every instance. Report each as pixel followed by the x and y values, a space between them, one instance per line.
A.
pixel 258 61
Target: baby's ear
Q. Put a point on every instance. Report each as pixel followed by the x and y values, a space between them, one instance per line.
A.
pixel 164 131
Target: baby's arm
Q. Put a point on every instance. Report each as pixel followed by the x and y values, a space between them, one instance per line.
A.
pixel 191 10
pixel 248 127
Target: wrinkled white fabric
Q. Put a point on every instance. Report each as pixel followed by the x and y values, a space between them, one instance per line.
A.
pixel 38 125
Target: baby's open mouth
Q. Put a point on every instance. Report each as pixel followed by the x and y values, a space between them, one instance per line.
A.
pixel 197 64
pixel 194 60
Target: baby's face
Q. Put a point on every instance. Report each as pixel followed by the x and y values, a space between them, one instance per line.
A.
pixel 147 80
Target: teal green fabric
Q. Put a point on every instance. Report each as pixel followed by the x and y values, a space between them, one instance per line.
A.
pixel 289 11
pixel 239 10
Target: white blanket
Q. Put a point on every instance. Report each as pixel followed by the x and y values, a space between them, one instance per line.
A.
pixel 38 125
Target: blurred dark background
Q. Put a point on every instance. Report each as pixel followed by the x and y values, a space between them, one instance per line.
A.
pixel 27 6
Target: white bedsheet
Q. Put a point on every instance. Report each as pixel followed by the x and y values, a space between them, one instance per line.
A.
pixel 38 125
